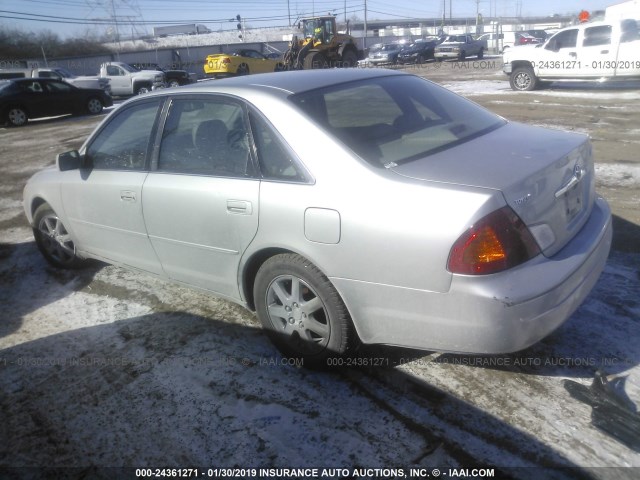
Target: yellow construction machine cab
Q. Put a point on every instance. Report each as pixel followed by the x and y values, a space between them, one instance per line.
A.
pixel 320 46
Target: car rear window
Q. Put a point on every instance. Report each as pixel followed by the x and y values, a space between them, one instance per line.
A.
pixel 393 120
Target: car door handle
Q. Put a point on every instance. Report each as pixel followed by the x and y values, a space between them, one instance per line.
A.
pixel 127 196
pixel 573 54
pixel 239 207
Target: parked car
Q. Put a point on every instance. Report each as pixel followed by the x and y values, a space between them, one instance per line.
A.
pixel 541 35
pixel 241 62
pixel 127 80
pixel 384 54
pixel 58 73
pixel 515 39
pixel 173 77
pixel 341 205
pixel 417 52
pixel 27 98
pixel 460 47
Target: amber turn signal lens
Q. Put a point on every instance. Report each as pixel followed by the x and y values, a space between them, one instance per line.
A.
pixel 495 243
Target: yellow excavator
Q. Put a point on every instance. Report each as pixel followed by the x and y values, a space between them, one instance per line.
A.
pixel 321 46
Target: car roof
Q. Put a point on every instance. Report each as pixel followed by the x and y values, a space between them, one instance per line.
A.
pixel 287 83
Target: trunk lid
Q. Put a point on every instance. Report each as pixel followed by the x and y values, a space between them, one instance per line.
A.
pixel 546 176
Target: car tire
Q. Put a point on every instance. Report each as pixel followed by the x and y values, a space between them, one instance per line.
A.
pixel 17 116
pixel 243 69
pixel 94 106
pixel 174 83
pixel 523 79
pixel 142 89
pixel 481 54
pixel 463 56
pixel 301 310
pixel 53 240
pixel 419 60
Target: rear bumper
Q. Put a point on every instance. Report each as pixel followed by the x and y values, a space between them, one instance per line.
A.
pixel 498 313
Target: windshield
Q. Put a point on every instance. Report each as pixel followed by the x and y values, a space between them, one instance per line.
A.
pixel 457 38
pixel 396 119
pixel 129 68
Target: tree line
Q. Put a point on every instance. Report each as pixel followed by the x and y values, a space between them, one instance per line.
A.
pixel 16 44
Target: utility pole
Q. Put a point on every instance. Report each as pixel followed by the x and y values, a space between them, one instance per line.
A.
pixel 450 13
pixel 289 12
pixel 365 25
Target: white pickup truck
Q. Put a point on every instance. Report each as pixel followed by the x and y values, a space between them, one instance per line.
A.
pixel 126 80
pixel 589 51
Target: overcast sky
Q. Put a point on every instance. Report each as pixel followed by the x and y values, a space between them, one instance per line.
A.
pixel 68 17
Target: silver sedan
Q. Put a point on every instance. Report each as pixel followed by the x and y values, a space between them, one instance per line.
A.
pixel 343 206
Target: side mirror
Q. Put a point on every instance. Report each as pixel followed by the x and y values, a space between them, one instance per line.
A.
pixel 69 161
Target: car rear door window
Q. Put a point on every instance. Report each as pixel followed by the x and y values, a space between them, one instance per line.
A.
pixel 276 160
pixel 595 36
pixel 124 143
pixel 205 137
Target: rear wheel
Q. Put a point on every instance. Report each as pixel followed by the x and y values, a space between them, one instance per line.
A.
pixel 17 116
pixel 243 69
pixel 523 79
pixel 481 54
pixel 174 83
pixel 301 310
pixel 53 240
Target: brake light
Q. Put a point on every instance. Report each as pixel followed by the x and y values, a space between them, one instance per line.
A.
pixel 226 60
pixel 522 40
pixel 495 243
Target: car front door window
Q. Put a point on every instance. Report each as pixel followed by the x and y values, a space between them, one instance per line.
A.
pixel 124 143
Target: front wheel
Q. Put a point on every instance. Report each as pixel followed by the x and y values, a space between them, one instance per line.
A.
pixel 174 83
pixel 301 310
pixel 349 58
pixel 53 240
pixel 142 89
pixel 17 116
pixel 523 79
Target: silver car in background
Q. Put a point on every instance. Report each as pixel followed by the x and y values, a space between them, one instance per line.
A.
pixel 342 205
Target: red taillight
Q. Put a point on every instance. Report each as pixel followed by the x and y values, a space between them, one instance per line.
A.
pixel 496 242
pixel 522 40
pixel 226 60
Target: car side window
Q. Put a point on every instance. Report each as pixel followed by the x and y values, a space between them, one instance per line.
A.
pixel 275 159
pixel 32 87
pixel 113 71
pixel 54 87
pixel 123 144
pixel 205 137
pixel 596 36
pixel 566 39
